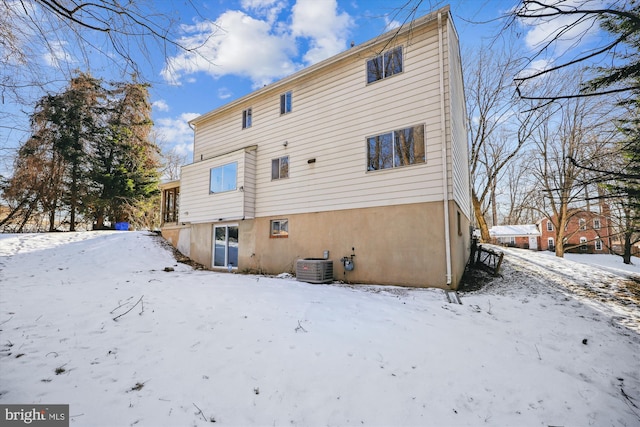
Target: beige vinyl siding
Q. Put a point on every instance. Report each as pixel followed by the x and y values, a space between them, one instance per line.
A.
pixel 458 128
pixel 249 184
pixel 198 204
pixel 334 111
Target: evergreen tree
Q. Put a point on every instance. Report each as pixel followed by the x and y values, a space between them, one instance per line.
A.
pixel 89 154
pixel 125 161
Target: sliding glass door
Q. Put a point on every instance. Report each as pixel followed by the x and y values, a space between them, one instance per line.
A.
pixel 225 246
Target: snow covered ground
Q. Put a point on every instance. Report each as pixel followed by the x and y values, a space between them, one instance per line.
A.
pixel 92 320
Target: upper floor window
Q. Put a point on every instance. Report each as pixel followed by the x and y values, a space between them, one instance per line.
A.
pixel 549 226
pixel 246 118
pixel 285 102
pixel 397 148
pixel 385 65
pixel 223 178
pixel 596 223
pixel 582 223
pixel 280 168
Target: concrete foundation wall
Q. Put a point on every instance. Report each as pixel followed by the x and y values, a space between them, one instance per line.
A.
pixel 394 245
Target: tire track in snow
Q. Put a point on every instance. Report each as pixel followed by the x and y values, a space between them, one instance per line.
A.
pixel 599 288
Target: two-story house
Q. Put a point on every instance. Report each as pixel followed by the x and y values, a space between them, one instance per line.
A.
pixel 361 156
pixel 586 231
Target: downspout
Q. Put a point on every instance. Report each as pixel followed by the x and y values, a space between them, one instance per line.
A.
pixel 445 184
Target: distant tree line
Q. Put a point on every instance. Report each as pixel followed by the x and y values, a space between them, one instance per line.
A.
pixel 88 160
pixel 544 143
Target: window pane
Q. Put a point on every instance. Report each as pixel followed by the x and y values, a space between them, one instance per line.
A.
pixel 280 227
pixel 380 152
pixel 232 247
pixel 285 103
pixel 229 176
pixel 223 178
pixel 374 69
pixel 284 167
pixel 216 180
pixel 393 62
pixel 220 246
pixel 409 146
pixel 246 118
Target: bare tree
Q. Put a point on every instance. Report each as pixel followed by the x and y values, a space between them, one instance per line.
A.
pixel 573 21
pixel 498 129
pixel 572 132
pixel 522 191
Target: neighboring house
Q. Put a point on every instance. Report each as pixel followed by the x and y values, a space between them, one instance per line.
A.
pixel 519 236
pixel 362 156
pixel 585 232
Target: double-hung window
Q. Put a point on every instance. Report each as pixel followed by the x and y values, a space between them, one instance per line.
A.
pixel 596 223
pixel 246 118
pixel 598 245
pixel 385 65
pixel 285 102
pixel 549 225
pixel 397 148
pixel 582 223
pixel 280 168
pixel 223 178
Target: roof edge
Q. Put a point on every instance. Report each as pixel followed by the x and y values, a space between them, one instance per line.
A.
pixel 423 20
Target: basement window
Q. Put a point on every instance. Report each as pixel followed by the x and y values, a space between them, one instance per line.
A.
pixel 279 228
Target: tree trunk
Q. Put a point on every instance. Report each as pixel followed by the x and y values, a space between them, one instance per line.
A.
pixel 482 223
pixel 626 257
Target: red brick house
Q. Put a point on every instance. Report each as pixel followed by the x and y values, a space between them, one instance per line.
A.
pixel 585 232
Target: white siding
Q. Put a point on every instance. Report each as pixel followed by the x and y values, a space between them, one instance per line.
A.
pixel 197 204
pixel 334 111
pixel 458 114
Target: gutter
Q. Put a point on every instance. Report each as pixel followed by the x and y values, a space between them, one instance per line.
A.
pixel 445 183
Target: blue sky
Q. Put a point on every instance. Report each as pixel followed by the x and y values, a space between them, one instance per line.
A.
pixel 254 42
pixel 245 44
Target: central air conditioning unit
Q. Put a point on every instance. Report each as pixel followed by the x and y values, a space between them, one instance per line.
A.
pixel 314 270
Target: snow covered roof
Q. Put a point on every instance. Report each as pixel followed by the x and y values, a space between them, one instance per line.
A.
pixel 514 230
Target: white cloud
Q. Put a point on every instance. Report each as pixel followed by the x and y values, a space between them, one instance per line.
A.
pixel 175 132
pixel 235 44
pixel 57 55
pixel 254 43
pixel 160 105
pixel 320 22
pixel 269 9
pixel 561 30
pixel 391 24
pixel 224 93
